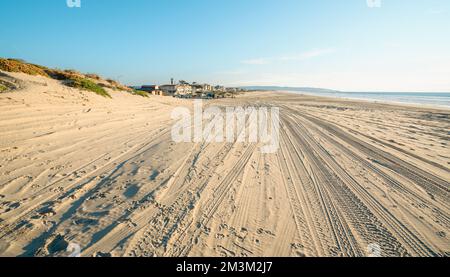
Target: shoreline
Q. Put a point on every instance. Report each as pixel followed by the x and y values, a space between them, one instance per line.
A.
pixel 398 103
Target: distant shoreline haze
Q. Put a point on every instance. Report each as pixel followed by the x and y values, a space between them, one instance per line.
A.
pixel 437 99
pixel 325 90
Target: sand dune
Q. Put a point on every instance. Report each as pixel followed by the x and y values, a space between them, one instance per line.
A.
pixel 105 174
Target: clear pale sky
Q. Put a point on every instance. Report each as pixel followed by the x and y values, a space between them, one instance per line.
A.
pixel 404 45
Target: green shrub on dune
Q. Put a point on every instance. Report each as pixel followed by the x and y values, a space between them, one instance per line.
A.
pixel 3 88
pixel 86 84
pixel 140 93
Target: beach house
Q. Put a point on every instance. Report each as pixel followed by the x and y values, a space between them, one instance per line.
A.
pixel 183 90
pixel 207 87
pixel 168 90
pixel 152 89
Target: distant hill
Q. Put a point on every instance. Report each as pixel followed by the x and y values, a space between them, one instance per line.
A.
pixel 278 88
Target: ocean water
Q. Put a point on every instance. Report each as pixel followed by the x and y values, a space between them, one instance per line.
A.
pixel 424 98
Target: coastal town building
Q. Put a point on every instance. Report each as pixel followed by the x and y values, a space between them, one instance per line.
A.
pixel 168 90
pixel 149 88
pixel 152 89
pixel 219 88
pixel 207 87
pixel 183 89
pixel 196 88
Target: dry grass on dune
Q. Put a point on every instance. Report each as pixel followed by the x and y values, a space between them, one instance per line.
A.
pixel 117 86
pixel 93 76
pixel 15 65
pixel 90 82
pixel 64 74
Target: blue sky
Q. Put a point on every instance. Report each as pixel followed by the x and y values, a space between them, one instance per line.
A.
pixel 401 46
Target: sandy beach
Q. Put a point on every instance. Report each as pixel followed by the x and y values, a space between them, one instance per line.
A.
pixel 350 178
